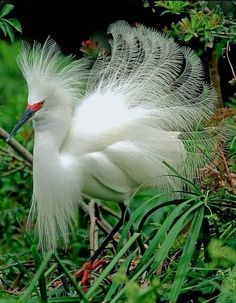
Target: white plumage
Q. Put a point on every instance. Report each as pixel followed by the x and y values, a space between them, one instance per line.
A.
pixel 106 132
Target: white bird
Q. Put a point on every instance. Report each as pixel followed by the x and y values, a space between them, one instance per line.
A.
pixel 106 132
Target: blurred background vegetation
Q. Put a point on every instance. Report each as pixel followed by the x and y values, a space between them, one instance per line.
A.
pixel 180 271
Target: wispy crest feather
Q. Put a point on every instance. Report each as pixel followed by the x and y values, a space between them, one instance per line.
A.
pixel 46 62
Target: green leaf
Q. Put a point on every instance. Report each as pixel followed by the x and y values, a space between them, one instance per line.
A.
pixel 232 82
pixel 228 289
pixel 116 283
pixel 164 249
pixel 10 32
pixel 141 210
pixel 191 185
pixel 162 231
pixel 188 37
pixel 42 281
pixel 172 235
pixel 71 279
pixel 3 27
pixel 15 23
pixel 108 269
pixel 26 271
pixel 36 277
pixel 6 10
pixel 184 263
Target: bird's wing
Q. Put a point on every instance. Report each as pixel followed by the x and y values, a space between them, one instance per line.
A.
pixel 124 166
pixel 103 179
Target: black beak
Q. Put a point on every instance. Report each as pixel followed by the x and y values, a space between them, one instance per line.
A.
pixel 29 113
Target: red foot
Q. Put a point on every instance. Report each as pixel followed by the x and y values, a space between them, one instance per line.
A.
pixel 84 273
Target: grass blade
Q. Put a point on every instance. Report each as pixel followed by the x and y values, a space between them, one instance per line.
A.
pixel 116 284
pixel 163 230
pixel 184 262
pixel 72 281
pixel 42 282
pixel 134 217
pixel 166 245
pixel 27 272
pixel 36 277
pixel 177 175
pixel 174 232
pixel 111 266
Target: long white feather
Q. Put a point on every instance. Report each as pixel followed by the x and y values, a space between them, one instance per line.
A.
pixel 140 106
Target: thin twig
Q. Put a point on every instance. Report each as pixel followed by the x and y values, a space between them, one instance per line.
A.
pixel 17 146
pixel 109 211
pixel 104 226
pixel 84 207
pixel 227 50
pixel 215 78
pixel 7 173
pixel 222 34
pixel 93 234
pixel 8 153
pixel 101 223
pixel 230 179
pixel 17 280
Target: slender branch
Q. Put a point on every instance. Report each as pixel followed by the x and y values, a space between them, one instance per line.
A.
pixel 17 280
pixel 230 179
pixel 104 226
pixel 93 234
pixel 101 223
pixel 11 171
pixel 223 34
pixel 109 211
pixel 84 207
pixel 6 152
pixel 227 50
pixel 20 149
pixel 215 78
pixel 230 21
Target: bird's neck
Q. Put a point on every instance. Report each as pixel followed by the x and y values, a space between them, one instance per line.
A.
pixel 51 129
pixel 56 179
pixel 49 156
pixel 50 132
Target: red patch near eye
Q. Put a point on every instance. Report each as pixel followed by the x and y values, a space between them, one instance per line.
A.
pixel 36 106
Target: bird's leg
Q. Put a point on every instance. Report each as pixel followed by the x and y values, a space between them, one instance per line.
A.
pixel 93 234
pixel 92 264
pixel 96 254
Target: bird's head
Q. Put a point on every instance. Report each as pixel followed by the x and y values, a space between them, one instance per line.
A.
pixel 29 113
pixel 53 80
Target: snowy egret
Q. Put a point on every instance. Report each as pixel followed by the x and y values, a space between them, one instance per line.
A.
pixel 106 132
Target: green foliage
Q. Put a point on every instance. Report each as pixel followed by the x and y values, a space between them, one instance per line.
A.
pixel 199 20
pixel 223 256
pixel 90 48
pixel 12 87
pixel 135 294
pixel 173 266
pixel 228 289
pixel 164 252
pixel 174 7
pixel 8 25
pixel 15 176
